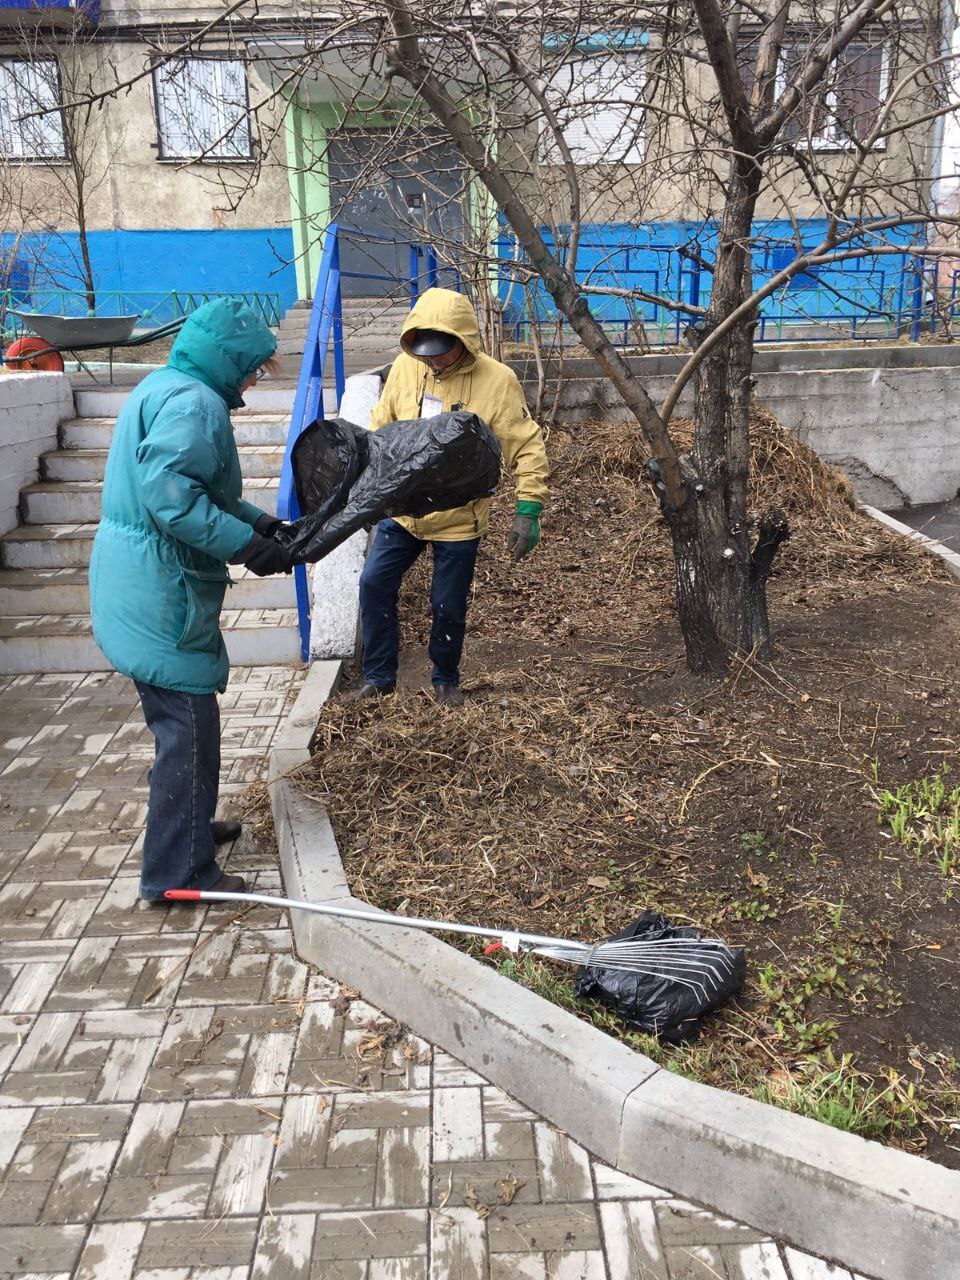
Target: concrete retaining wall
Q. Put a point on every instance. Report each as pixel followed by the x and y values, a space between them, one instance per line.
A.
pixel 32 406
pixel 886 415
pixel 335 617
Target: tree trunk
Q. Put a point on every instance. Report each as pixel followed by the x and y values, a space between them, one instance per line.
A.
pixel 726 584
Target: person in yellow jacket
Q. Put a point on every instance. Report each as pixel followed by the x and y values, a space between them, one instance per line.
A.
pixel 441 369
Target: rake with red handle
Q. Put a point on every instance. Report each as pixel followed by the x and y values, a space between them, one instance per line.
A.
pixel 702 964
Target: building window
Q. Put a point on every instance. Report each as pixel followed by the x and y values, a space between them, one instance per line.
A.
pixel 202 109
pixel 27 86
pixel 843 108
pixel 599 103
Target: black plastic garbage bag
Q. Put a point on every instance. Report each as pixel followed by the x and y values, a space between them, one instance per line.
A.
pixel 657 1002
pixel 347 477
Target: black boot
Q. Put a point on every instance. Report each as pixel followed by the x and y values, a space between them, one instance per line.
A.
pixel 225 832
pixel 451 695
pixel 368 690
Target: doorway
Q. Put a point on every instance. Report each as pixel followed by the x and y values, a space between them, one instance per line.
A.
pixel 401 188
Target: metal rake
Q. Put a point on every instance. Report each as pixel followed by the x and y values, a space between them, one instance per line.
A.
pixel 701 964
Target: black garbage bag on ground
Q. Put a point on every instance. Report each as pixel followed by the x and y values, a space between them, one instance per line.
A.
pixel 658 1002
pixel 347 477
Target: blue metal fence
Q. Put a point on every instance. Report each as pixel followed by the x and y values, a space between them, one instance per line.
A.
pixel 155 308
pixel 876 297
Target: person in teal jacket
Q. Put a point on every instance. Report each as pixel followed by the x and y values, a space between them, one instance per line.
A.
pixel 172 519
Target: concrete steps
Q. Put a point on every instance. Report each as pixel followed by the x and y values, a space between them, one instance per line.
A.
pixel 64 642
pixel 79 501
pixel 371 329
pixel 31 592
pixel 261 430
pixel 44 595
pixel 74 465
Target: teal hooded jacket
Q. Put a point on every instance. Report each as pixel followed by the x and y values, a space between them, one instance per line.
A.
pixel 172 513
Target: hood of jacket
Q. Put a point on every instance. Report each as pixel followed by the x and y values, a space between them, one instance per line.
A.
pixel 222 343
pixel 448 311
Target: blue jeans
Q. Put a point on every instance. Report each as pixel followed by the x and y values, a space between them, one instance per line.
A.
pixel 393 552
pixel 178 849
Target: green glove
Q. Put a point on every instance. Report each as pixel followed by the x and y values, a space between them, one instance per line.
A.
pixel 525 532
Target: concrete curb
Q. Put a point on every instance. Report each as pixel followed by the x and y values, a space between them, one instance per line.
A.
pixel 949 558
pixel 879 1211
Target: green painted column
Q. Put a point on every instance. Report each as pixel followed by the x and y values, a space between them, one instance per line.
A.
pixel 305 131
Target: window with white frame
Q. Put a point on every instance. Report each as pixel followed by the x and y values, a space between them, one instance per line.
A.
pixel 845 107
pixel 599 104
pixel 202 109
pixel 27 86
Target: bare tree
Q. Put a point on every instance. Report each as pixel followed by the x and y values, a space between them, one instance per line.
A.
pixel 55 148
pixel 717 117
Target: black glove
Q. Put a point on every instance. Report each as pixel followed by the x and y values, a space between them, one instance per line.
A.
pixel 267 526
pixel 263 556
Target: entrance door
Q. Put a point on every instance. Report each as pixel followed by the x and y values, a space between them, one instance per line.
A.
pixel 385 185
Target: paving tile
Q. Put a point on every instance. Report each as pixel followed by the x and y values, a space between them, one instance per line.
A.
pixel 697 1262
pixel 302 1141
pixel 611 1184
pixel 339 1187
pixel 284 1247
pixel 457 1124
pixel 634 1248
pixel 513 1140
pixel 190 1103
pixel 380 1233
pixel 564 1167
pixel 576 1265
pixel 803 1266
pixel 755 1262
pixel 403 1171
pixel 199 1242
pixel 156 1196
pixel 458 1246
pixel 241 1180
pixel 25 1249
pixel 77 1188
pixel 528 1228
pixel 683 1224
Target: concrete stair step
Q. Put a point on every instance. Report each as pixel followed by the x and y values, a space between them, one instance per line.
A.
pixel 73 466
pixel 47 546
pixel 64 642
pixel 106 401
pixel 388 324
pixel 31 592
pixel 254 429
pixel 79 501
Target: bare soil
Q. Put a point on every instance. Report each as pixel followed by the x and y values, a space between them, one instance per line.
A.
pixel 591 775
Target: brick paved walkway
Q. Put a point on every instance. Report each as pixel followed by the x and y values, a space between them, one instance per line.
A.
pixel 180 1097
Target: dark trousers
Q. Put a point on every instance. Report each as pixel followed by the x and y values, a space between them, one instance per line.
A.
pixel 178 849
pixel 393 552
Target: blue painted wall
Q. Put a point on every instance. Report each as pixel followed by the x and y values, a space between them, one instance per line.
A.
pixel 156 263
pixel 652 257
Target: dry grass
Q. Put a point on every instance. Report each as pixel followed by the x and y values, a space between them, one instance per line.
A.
pixel 589 776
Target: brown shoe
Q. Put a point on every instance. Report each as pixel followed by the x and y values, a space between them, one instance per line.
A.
pixel 368 690
pixel 451 695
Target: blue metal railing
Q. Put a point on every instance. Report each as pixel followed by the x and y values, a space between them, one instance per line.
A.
pixel 155 308
pixel 325 329
pixel 880 297
pixel 877 297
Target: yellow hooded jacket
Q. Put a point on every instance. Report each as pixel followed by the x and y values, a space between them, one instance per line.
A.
pixel 478 383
